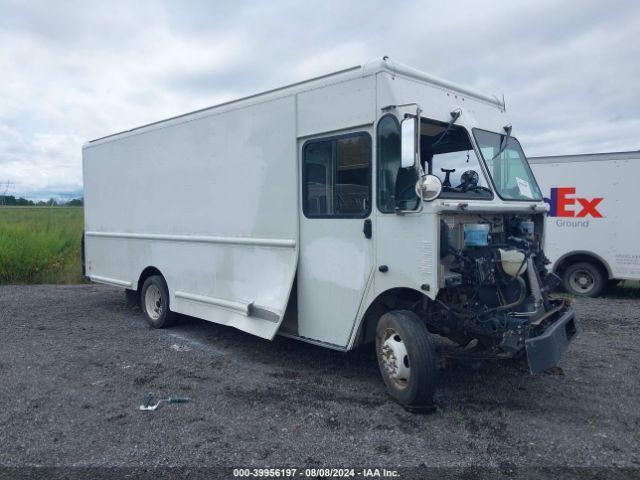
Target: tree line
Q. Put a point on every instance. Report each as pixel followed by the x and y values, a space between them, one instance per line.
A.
pixel 12 201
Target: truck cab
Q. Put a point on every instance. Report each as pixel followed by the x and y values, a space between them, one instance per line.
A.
pixel 449 241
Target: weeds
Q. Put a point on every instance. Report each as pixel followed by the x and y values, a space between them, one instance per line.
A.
pixel 40 245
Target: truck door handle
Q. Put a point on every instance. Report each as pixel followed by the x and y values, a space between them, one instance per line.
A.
pixel 367 229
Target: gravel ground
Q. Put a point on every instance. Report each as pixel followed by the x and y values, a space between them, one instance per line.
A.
pixel 76 362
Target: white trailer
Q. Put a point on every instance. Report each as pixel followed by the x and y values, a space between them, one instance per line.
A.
pixel 375 203
pixel 590 239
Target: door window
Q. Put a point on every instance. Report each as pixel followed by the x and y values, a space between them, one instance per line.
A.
pixel 388 162
pixel 336 176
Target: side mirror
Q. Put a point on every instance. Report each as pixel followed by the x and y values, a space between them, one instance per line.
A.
pixel 408 146
pixel 429 187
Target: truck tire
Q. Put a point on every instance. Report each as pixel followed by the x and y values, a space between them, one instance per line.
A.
pixel 406 358
pixel 154 301
pixel 584 279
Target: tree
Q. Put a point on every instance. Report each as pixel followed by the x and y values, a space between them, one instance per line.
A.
pixel 76 202
pixel 10 200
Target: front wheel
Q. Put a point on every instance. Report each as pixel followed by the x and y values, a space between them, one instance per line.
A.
pixel 154 300
pixel 407 358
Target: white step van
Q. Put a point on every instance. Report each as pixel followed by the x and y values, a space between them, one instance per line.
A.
pixel 377 203
pixel 589 239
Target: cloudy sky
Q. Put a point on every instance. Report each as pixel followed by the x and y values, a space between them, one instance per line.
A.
pixel 71 71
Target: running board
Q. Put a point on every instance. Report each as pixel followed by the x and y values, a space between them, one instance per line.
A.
pixel 248 309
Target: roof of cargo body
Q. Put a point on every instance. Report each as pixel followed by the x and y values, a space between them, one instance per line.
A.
pixel 587 157
pixel 370 68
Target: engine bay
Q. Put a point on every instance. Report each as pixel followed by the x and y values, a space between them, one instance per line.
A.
pixel 493 282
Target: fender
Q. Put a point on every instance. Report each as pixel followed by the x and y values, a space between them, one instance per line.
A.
pixel 587 253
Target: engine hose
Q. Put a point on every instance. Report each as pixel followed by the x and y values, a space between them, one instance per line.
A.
pixel 523 295
pixel 458 312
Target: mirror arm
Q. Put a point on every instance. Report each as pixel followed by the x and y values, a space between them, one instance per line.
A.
pixel 418 159
pixel 503 146
pixel 455 115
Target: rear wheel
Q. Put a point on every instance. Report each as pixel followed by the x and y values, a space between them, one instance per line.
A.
pixel 154 300
pixel 407 358
pixel 584 279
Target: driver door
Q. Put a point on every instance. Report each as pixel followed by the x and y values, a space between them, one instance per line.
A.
pixel 336 251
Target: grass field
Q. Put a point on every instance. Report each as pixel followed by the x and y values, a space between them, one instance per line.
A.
pixel 40 244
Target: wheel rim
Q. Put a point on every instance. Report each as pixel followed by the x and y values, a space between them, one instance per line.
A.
pixel 395 359
pixel 153 302
pixel 582 281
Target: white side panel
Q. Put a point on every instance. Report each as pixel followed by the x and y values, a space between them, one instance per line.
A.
pixel 615 237
pixel 437 102
pixel 211 203
pixel 408 246
pixel 336 107
pixel 335 266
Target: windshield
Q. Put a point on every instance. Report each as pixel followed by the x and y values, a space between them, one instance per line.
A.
pixel 447 152
pixel 510 171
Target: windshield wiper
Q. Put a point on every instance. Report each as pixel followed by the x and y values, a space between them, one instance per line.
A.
pixel 503 146
pixel 455 115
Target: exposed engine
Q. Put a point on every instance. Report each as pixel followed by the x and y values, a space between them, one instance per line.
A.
pixel 494 283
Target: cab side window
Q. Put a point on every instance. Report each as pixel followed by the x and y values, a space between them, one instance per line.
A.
pixel 318 182
pixel 388 136
pixel 337 177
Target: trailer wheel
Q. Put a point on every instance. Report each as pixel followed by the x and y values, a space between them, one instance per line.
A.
pixel 407 358
pixel 584 279
pixel 154 301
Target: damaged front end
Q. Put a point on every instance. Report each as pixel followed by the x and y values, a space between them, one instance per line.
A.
pixel 494 298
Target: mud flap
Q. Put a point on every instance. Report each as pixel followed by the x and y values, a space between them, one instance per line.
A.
pixel 544 351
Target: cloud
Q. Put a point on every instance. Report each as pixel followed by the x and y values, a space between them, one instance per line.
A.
pixel 77 70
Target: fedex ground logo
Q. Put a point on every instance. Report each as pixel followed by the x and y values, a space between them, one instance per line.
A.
pixel 564 202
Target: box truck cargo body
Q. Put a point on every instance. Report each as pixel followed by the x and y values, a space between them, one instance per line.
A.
pixel 377 203
pixel 590 238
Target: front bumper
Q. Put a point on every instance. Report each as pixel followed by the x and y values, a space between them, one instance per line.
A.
pixel 545 350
